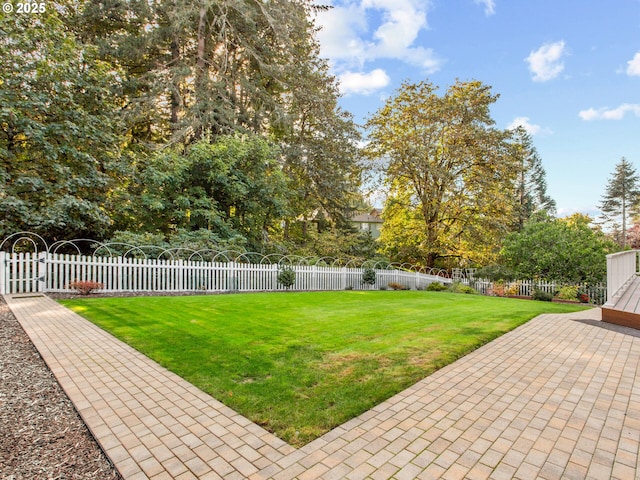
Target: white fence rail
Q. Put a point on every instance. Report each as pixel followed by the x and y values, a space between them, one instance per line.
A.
pixel 47 272
pixel 621 267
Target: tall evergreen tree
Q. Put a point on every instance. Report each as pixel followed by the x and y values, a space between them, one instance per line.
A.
pixel 319 139
pixel 621 200
pixel 531 184
pixel 201 70
pixel 194 70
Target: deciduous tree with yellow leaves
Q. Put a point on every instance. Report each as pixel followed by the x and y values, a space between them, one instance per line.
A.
pixel 450 174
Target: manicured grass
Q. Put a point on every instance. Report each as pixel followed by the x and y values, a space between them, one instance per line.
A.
pixel 302 363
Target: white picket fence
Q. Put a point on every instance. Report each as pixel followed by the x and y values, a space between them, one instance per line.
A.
pixel 48 272
pixel 597 292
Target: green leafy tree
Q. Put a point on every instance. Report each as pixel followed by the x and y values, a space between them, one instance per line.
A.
pixel 621 200
pixel 402 235
pixel 234 186
pixel 565 249
pixel 330 243
pixel 450 173
pixel 117 117
pixel 59 146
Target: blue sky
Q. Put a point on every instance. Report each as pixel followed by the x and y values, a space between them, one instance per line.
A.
pixel 567 70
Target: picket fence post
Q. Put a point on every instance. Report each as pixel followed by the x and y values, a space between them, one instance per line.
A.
pixel 3 273
pixel 118 271
pixel 41 273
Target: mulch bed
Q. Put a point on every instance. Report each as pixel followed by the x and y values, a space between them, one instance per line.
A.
pixel 41 434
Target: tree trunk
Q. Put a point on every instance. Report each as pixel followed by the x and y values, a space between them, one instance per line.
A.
pixel 431 259
pixel 201 67
pixel 200 60
pixel 176 99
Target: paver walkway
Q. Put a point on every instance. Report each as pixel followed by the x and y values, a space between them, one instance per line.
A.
pixel 556 398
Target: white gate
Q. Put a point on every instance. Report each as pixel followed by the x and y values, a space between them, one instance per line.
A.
pixel 22 272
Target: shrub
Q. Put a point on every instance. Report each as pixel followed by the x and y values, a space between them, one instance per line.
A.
pixel 583 294
pixel 397 286
pixel 467 290
pixel 457 287
pixel 349 287
pixel 369 276
pixel 86 287
pixel 568 292
pixel 287 277
pixel 436 287
pixel 498 288
pixel 513 289
pixel 541 295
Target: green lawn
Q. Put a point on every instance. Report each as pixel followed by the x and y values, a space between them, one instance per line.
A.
pixel 300 364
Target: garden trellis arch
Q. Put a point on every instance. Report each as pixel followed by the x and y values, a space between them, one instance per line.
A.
pixel 29 264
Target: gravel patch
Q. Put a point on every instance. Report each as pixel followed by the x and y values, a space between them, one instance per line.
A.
pixel 41 434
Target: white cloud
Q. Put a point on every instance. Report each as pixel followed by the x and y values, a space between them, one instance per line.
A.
pixel 424 58
pixel 363 83
pixel 588 115
pixel 341 30
pixel 530 128
pixel 633 67
pixel 610 113
pixel 489 6
pixel 355 32
pixel 546 62
pixel 402 22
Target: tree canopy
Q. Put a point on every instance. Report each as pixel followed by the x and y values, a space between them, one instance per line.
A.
pixel 59 148
pixel 621 200
pixel 191 121
pixel 564 249
pixel 232 187
pixel 168 117
pixel 452 176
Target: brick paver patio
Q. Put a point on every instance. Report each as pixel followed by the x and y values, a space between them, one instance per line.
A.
pixel 556 398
